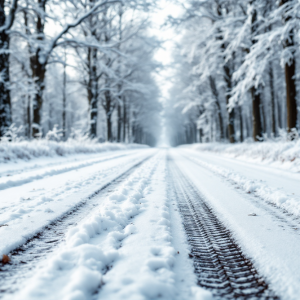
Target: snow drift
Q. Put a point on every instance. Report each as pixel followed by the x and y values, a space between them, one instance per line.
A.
pixel 283 154
pixel 28 150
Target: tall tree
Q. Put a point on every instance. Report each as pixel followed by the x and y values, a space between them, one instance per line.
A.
pixel 290 68
pixel 6 23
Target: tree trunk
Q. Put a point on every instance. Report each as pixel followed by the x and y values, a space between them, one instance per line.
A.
pixel 5 102
pixel 120 121
pixel 38 69
pixel 291 101
pixel 38 102
pixel 231 112
pixel 219 112
pixel 241 124
pixel 231 130
pixel 200 135
pixel 108 111
pixel 263 116
pixel 124 120
pixel 257 126
pixel 92 90
pixel 64 100
pixel 279 107
pixel 29 128
pixel 94 95
pixel 109 128
pixel 271 75
pixel 255 93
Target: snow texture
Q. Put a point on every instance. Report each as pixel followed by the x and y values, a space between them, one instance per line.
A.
pixel 28 150
pixel 266 234
pixel 258 187
pixel 124 250
pixel 279 154
pixel 27 208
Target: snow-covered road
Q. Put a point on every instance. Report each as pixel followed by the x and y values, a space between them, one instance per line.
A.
pixel 129 237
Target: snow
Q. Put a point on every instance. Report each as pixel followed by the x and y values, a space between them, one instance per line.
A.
pixel 133 245
pixel 272 185
pixel 278 154
pixel 45 169
pixel 29 207
pixel 125 248
pixel 28 150
pixel 265 233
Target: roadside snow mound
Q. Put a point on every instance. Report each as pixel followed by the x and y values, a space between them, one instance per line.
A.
pixel 28 150
pixel 283 154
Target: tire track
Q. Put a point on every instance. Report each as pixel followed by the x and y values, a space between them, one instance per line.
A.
pixel 284 218
pixel 219 263
pixel 26 258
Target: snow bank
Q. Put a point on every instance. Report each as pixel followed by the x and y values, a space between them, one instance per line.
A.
pixel 28 150
pixel 283 154
pixel 257 187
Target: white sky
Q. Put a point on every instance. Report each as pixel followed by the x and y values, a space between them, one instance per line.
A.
pixel 168 36
pixel 164 54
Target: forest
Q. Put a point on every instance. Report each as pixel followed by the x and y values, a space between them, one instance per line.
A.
pixel 89 67
pixel 236 73
pixel 78 67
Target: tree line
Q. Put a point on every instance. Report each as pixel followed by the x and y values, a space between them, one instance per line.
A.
pixel 235 75
pixel 79 65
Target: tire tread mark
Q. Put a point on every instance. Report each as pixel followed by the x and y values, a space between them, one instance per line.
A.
pixel 219 263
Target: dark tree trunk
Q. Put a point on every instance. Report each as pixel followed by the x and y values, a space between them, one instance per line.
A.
pixel 279 107
pixel 120 122
pixel 38 69
pixel 274 129
pixel 248 127
pixel 108 110
pixel 241 124
pixel 255 93
pixel 257 126
pixel 38 99
pixel 201 135
pixel 94 92
pixel 29 125
pixel 5 103
pixel 109 128
pixel 291 101
pixel 219 111
pixel 124 120
pixel 263 116
pixel 64 101
pixel 231 112
pixel 29 100
pixel 230 132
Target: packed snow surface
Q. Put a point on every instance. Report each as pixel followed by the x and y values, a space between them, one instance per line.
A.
pixel 123 250
pixel 244 197
pixel 50 193
pixel 133 244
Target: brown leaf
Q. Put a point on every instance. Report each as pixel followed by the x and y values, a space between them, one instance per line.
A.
pixel 5 259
